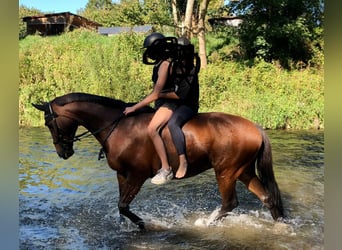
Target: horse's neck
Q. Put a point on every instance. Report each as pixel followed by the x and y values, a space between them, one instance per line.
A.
pixel 93 116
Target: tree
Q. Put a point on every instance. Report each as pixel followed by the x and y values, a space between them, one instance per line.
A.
pixel 201 32
pixel 283 30
pixel 157 12
pixel 175 16
pixel 188 18
pixel 99 4
pixel 101 11
pixel 128 12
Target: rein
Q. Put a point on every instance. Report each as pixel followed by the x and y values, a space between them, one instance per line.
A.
pixel 89 133
pixel 114 125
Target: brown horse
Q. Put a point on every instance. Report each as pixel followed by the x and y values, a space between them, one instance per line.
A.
pixel 230 144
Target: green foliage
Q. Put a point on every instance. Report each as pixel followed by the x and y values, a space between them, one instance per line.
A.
pixel 282 30
pixel 98 4
pixel 23 12
pixel 222 44
pixel 265 93
pixel 129 12
pixel 112 66
pixel 157 12
pixel 80 61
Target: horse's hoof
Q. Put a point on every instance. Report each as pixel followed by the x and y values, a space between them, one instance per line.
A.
pixel 141 224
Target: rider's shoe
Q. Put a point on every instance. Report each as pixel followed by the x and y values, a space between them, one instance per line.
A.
pixel 162 177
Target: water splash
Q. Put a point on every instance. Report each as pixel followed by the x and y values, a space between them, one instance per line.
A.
pixel 253 220
pixel 206 222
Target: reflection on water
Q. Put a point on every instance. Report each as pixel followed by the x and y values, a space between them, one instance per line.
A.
pixel 73 204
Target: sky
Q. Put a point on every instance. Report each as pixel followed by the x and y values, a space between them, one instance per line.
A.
pixel 50 6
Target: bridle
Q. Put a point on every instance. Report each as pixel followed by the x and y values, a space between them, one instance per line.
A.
pixel 60 139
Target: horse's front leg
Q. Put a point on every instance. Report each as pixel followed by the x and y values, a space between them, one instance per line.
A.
pixel 226 183
pixel 128 189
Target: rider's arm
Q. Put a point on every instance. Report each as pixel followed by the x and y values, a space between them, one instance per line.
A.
pixel 154 95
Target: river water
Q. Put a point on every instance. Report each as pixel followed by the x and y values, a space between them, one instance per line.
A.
pixel 72 204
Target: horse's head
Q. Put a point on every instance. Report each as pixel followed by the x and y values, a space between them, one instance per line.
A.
pixel 62 130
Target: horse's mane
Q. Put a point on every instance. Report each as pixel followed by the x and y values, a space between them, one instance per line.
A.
pixel 102 100
pixel 84 97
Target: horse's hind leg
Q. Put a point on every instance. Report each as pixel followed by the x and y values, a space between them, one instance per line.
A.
pixel 127 194
pixel 252 182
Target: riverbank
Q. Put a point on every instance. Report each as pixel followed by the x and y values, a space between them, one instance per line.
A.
pixel 83 61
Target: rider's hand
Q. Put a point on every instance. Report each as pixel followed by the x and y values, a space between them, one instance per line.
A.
pixel 129 110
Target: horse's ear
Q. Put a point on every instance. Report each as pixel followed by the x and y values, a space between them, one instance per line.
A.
pixel 41 107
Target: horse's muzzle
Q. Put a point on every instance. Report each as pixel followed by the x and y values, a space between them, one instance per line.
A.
pixel 65 154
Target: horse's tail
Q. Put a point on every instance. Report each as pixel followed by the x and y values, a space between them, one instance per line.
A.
pixel 266 175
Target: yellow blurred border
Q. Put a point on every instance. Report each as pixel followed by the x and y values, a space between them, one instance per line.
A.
pixel 333 118
pixel 9 125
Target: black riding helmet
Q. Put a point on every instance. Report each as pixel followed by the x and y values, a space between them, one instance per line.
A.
pixel 158 47
pixel 153 44
pixel 150 39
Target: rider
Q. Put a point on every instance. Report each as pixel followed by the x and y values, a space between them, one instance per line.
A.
pixel 158 50
pixel 185 75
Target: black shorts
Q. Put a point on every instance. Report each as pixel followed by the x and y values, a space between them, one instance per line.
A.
pixel 166 103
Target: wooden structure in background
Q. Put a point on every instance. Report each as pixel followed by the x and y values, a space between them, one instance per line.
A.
pixel 57 23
